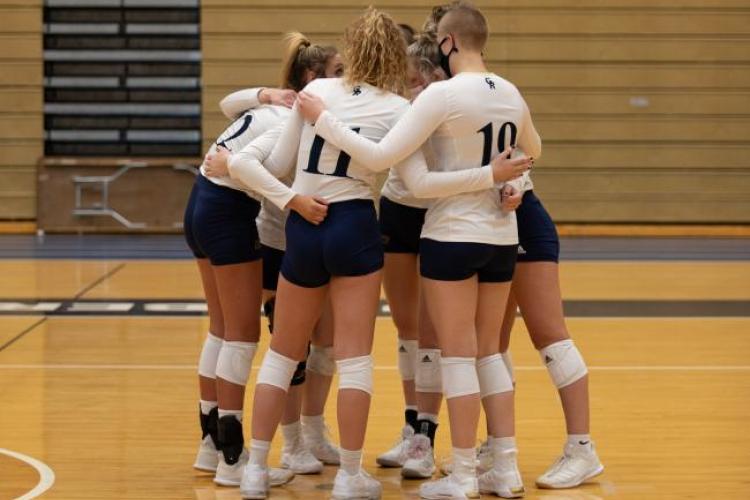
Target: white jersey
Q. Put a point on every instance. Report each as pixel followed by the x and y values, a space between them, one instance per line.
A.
pixel 470 119
pixel 323 170
pixel 250 125
pixel 395 188
pixel 271 220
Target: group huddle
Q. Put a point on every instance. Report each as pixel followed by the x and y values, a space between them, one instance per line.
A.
pixel 283 217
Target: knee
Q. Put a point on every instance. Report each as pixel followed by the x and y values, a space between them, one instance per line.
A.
pixel 356 373
pixel 545 339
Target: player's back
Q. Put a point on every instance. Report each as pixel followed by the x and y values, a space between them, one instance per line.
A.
pixel 242 132
pixel 322 168
pixel 484 115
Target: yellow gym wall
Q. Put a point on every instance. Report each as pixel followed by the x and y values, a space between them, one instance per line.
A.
pixel 21 101
pixel 643 105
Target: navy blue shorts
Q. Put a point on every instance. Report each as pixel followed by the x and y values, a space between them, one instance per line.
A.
pixel 400 226
pixel 347 243
pixel 272 258
pixel 455 261
pixel 219 224
pixel 537 235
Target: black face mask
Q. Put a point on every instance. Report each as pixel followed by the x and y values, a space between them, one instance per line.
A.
pixel 445 59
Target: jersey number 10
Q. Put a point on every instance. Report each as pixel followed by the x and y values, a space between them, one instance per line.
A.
pixel 342 163
pixel 487 131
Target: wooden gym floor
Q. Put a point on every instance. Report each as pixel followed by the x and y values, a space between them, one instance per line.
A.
pixel 99 392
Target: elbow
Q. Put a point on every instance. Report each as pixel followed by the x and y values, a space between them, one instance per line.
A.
pixel 226 108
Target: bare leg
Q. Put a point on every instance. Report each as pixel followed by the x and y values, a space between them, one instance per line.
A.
pixel 355 305
pixel 493 297
pixel 537 289
pixel 452 307
pixel 401 285
pixel 427 402
pixel 317 385
pixel 239 288
pixel 297 311
pixel 215 321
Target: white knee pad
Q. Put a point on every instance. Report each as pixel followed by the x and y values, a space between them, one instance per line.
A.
pixel 493 376
pixel 320 360
pixel 235 361
pixel 429 377
pixel 508 360
pixel 407 358
pixel 209 356
pixel 277 370
pixel 355 373
pixel 459 377
pixel 564 363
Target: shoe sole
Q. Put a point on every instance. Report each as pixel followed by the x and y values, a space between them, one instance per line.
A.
pixel 276 484
pixel 473 494
pixel 547 486
pixel 204 468
pixel 226 482
pixel 390 464
pixel 407 473
pixel 259 495
pixel 349 497
pixel 511 494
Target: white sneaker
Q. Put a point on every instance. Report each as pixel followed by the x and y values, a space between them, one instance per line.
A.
pixel 320 446
pixel 360 485
pixel 504 480
pixel 255 482
pixel 396 456
pixel 208 456
pixel 279 477
pixel 450 487
pixel 484 460
pixel 231 475
pixel 484 457
pixel 420 461
pixel 301 461
pixel 577 465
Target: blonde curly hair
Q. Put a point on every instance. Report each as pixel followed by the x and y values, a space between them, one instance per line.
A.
pixel 374 52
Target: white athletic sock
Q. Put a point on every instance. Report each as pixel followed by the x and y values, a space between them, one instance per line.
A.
pixel 580 441
pixel 259 453
pixel 499 447
pixel 236 413
pixel 351 461
pixel 503 443
pixel 428 416
pixel 464 463
pixel 292 434
pixel 207 406
pixel 313 427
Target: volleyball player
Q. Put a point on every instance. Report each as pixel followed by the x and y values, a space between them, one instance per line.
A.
pixel 306 445
pixel 536 292
pixel 401 220
pixel 220 229
pixel 343 255
pixel 468 246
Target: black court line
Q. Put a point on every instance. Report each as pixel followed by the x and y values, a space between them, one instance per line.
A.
pixel 22 334
pixel 98 281
pixel 165 247
pixel 196 308
pixel 75 297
